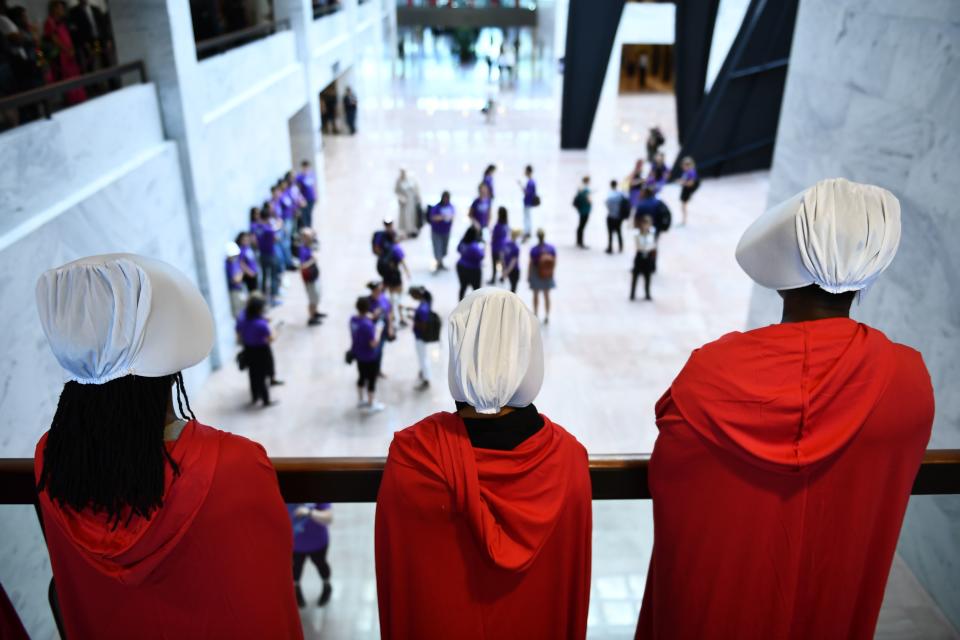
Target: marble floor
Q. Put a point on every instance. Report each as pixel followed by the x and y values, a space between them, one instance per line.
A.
pixel 608 359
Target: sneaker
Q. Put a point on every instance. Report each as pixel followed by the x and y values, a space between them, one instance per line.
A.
pixel 363 404
pixel 270 403
pixel 423 386
pixel 375 407
pixel 325 595
pixel 276 383
pixel 314 321
pixel 300 601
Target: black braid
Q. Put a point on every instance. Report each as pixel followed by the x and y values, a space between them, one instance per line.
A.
pixel 105 449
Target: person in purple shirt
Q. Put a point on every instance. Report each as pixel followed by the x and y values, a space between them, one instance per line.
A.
pixel 311 539
pixel 689 182
pixel 530 200
pixel 307 180
pixel 382 310
pixel 421 318
pixel 659 173
pixel 441 220
pixel 469 266
pixel 255 334
pixel 511 260
pixel 266 229
pixel 488 178
pixel 501 232
pixel 238 293
pixel 310 274
pixel 480 208
pixel 543 260
pixel 384 237
pixel 248 258
pixel 365 348
pixel 391 265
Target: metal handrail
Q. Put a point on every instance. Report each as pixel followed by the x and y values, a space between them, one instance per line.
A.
pixel 43 94
pixel 227 40
pixel 321 10
pixel 613 477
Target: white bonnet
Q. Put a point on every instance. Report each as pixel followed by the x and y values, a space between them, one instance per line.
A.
pixel 838 234
pixel 114 315
pixel 496 353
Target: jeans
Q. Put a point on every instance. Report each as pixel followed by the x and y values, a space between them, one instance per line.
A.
pixel 289 226
pixel 581 227
pixel 306 216
pixel 613 229
pixel 527 221
pixel 270 268
pixel 440 243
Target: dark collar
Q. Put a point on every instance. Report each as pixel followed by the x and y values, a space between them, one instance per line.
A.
pixel 505 433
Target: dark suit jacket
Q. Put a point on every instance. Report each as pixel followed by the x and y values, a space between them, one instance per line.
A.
pixel 80 29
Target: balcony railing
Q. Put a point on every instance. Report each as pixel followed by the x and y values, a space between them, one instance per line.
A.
pixel 613 477
pixel 47 96
pixel 325 8
pixel 240 37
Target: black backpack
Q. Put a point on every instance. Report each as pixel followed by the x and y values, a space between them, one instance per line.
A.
pixel 624 207
pixel 386 266
pixel 431 332
pixel 663 218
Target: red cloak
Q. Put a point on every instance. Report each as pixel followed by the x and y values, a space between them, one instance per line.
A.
pixel 476 543
pixel 780 478
pixel 212 562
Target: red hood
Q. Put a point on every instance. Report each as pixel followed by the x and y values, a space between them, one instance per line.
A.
pixel 786 395
pixel 511 499
pixel 131 553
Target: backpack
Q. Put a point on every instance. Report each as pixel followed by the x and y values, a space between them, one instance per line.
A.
pixel 386 265
pixel 546 265
pixel 624 208
pixel 578 200
pixel 663 218
pixel 431 332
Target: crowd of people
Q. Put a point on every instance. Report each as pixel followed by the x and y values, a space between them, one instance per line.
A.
pixel 280 238
pixel 770 440
pixel 70 42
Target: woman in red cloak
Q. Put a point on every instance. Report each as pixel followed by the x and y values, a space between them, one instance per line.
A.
pixel 158 526
pixel 786 454
pixel 483 516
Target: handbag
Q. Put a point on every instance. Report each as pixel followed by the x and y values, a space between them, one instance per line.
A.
pixel 311 273
pixel 243 359
pixel 348 357
pixel 536 200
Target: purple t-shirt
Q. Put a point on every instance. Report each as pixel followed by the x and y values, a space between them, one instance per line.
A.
pixel 444 218
pixel 420 316
pixel 501 231
pixel 287 206
pixel 249 258
pixel 480 210
pixel 529 193
pixel 690 174
pixel 362 332
pixel 308 535
pixel 396 252
pixel 253 333
pixel 266 237
pixel 488 180
pixel 234 270
pixel 308 185
pixel 539 250
pixel 304 253
pixel 471 255
pixel 511 252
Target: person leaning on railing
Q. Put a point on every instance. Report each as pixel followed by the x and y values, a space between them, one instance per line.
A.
pixel 483 516
pixel 158 526
pixel 786 454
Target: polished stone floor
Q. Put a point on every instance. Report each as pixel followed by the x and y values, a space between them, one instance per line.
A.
pixel 608 359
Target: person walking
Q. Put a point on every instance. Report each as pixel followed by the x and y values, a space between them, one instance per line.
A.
pixel 469 266
pixel 391 266
pixel 645 259
pixel 480 209
pixel 255 335
pixel 238 293
pixel 307 181
pixel 635 182
pixel 350 110
pixel 659 173
pixel 408 201
pixel 511 260
pixel 488 178
pixel 543 262
pixel 441 220
pixel 311 539
pixel 426 329
pixel 618 209
pixel 310 274
pixel 689 182
pixel 530 200
pixel 655 140
pixel 501 232
pixel 581 202
pixel 366 348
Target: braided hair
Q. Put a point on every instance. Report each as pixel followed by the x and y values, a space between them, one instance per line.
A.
pixel 105 449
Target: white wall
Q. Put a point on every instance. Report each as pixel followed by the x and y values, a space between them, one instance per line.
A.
pixel 872 95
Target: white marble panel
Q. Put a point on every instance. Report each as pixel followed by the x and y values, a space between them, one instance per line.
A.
pixel 872 95
pixel 47 160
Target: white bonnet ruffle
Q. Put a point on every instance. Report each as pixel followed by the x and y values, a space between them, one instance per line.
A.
pixel 113 315
pixel 496 352
pixel 838 234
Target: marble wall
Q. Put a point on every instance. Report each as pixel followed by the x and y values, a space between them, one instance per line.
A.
pixel 873 95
